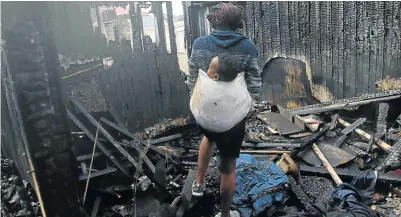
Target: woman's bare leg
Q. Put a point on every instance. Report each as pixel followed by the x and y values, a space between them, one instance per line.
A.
pixel 204 157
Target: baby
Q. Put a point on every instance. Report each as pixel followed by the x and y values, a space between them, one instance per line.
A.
pixel 223 68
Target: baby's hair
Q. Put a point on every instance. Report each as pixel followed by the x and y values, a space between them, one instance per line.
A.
pixel 228 67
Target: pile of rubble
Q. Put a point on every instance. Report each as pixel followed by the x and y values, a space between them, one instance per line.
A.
pixel 314 151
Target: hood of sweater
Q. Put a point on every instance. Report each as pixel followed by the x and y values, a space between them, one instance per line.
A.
pixel 225 38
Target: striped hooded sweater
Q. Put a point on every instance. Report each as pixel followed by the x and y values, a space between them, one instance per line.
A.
pixel 205 48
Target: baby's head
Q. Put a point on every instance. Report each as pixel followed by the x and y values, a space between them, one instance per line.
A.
pixel 223 68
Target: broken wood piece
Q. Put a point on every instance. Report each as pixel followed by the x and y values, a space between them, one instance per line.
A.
pixel 319 108
pixel 336 156
pixel 97 173
pixel 386 147
pixel 125 131
pixel 349 174
pixel 353 126
pixel 393 160
pixel 300 135
pixel 186 194
pixel 340 141
pixel 313 127
pixel 272 130
pixel 307 142
pixel 333 122
pixel 118 146
pixel 328 166
pixel 101 146
pixel 89 156
pixel 165 139
pixel 176 152
pixel 381 124
pixel 363 146
pixel 145 158
pixel 96 206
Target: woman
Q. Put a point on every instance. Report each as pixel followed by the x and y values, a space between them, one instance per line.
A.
pixel 225 19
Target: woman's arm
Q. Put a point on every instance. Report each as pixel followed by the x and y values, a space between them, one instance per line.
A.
pixel 192 69
pixel 253 72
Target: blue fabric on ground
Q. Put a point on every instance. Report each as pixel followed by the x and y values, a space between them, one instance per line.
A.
pixel 253 179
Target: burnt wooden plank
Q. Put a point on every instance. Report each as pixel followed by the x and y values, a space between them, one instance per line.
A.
pixel 258 29
pixel 329 48
pixel 387 43
pixel 340 141
pixel 349 48
pixel 171 29
pixel 363 39
pixel 102 147
pixel 380 42
pixel 381 124
pixel 294 29
pixel 323 13
pixel 275 27
pixel 374 12
pixel 304 25
pixel 132 136
pixel 284 28
pixel 97 173
pixel 340 23
pixel 333 122
pixel 359 47
pixel 96 206
pixel 250 20
pixel 266 32
pixel 335 41
pixel 348 174
pixel 396 39
pixel 314 43
pixel 353 126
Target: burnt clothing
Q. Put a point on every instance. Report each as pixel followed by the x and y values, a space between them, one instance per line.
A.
pixel 229 142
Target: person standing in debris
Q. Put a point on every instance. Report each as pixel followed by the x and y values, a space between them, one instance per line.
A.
pixel 225 19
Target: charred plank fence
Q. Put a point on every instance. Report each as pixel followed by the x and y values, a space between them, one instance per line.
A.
pixel 347 48
pixel 342 49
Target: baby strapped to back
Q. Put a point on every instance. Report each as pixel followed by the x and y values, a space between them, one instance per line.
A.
pixel 220 99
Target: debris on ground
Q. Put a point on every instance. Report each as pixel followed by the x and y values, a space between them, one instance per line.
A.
pixel 292 158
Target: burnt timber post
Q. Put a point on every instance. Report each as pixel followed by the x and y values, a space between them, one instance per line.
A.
pixel 136 30
pixel 32 63
pixel 161 33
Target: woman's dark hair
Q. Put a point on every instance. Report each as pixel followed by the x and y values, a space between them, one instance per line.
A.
pixel 228 67
pixel 227 15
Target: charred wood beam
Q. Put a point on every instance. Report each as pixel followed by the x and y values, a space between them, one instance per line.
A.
pixel 393 160
pixel 118 146
pixel 125 131
pixel 308 142
pixel 348 174
pixel 347 102
pixel 96 206
pixel 186 194
pixel 97 173
pixel 386 147
pixel 333 122
pixel 353 126
pixel 340 141
pixel 158 12
pixel 145 158
pixel 171 29
pixel 102 147
pixel 381 125
pixel 166 139
pixel 89 156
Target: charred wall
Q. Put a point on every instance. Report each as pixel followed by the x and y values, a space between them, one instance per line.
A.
pixel 347 47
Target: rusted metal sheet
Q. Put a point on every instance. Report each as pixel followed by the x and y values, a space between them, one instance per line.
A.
pixel 334 155
pixel 277 121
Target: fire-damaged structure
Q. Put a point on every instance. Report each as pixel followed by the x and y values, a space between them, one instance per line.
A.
pixel 100 126
pixel 341 48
